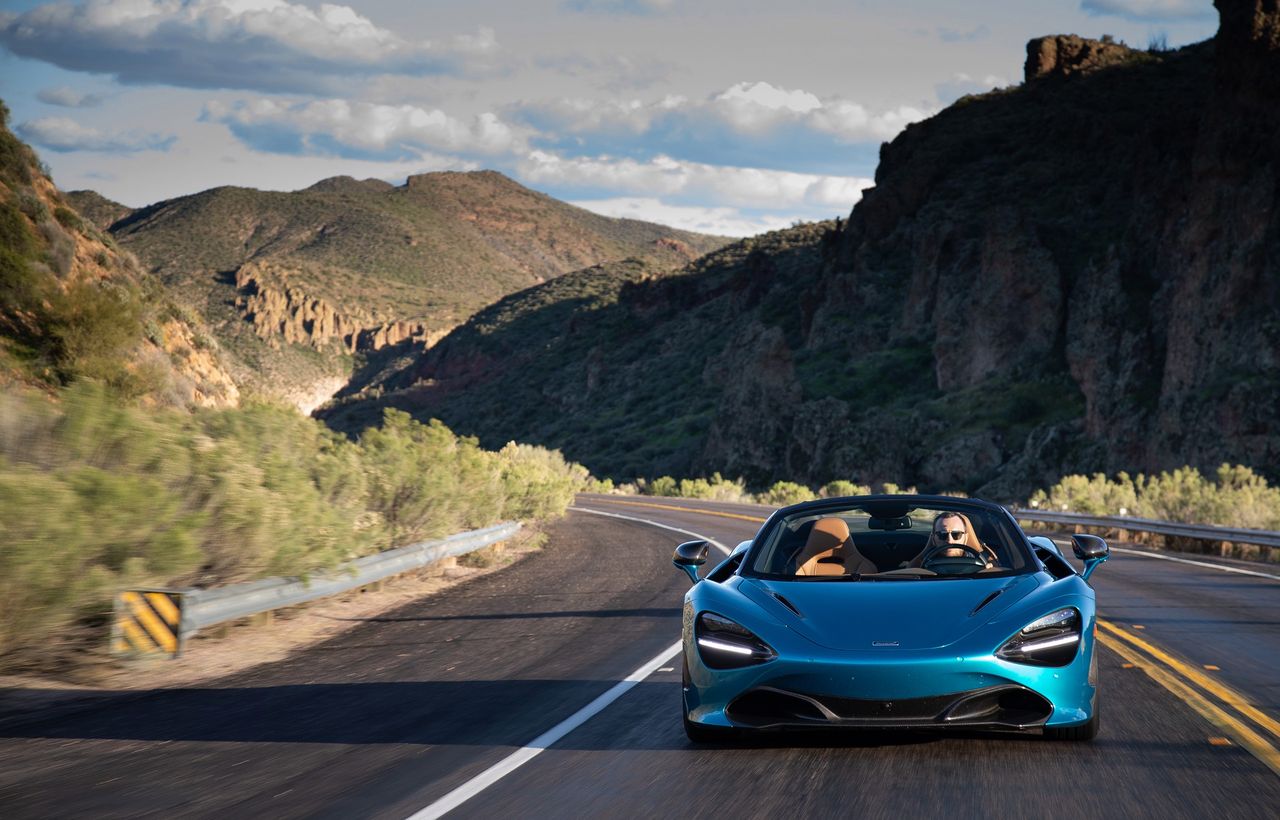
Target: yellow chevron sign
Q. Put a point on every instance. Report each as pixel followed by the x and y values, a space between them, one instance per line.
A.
pixel 147 622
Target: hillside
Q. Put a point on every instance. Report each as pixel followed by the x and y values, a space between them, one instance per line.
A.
pixel 1078 273
pixel 73 306
pixel 296 282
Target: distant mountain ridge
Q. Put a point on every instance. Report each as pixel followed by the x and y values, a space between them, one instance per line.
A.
pixel 295 282
pixel 1080 273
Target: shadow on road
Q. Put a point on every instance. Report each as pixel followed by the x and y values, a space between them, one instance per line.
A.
pixel 436 713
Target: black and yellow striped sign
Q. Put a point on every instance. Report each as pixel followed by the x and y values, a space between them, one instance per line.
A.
pixel 147 622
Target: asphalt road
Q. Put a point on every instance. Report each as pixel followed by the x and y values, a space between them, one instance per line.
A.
pixel 403 709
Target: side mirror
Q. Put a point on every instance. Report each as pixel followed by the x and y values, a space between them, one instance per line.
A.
pixel 689 556
pixel 1092 550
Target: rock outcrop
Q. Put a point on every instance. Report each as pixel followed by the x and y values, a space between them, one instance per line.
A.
pixel 280 312
pixel 1066 54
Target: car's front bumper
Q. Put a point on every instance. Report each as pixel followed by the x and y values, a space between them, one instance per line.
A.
pixel 897 689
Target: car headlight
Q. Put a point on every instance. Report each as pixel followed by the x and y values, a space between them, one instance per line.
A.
pixel 725 644
pixel 1048 641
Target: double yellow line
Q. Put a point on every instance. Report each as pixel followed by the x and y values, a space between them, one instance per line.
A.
pixel 1216 702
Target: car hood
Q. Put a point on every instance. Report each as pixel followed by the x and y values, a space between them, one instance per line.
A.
pixel 866 615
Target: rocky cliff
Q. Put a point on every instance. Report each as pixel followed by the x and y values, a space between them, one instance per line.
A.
pixel 284 313
pixel 74 306
pixel 1079 273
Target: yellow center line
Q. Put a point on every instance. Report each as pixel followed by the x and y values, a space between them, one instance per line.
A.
pixel 1243 734
pixel 1228 695
pixel 679 509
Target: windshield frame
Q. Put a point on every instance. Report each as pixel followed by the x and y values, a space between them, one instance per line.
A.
pixel 1007 526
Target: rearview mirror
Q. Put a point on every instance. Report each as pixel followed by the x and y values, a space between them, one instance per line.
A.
pixel 1092 550
pixel 1088 547
pixel 689 556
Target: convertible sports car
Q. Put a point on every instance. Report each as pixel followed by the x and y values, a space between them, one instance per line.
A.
pixel 891 612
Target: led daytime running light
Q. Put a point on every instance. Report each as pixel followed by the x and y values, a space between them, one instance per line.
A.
pixel 724 646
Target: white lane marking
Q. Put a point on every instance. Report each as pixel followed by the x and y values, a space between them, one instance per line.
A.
pixel 542 742
pixel 712 541
pixel 1238 570
pixel 1145 554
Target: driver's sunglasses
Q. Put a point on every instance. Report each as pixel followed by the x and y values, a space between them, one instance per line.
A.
pixel 953 533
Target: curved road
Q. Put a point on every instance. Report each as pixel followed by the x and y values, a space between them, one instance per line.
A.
pixel 421 702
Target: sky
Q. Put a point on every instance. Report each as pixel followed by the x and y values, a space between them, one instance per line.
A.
pixel 722 116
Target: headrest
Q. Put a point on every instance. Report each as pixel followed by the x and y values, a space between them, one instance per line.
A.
pixel 827 534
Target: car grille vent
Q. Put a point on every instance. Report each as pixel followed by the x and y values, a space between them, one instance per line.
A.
pixel 986 601
pixel 788 605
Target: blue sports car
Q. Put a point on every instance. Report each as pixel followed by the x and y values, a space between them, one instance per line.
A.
pixel 891 612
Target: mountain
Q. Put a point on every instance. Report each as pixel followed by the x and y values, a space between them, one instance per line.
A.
pixel 1078 273
pixel 96 208
pixel 294 283
pixel 74 306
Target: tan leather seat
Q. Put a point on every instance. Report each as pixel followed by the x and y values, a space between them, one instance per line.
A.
pixel 829 550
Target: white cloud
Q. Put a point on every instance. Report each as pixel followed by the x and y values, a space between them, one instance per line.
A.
pixel 666 177
pixel 721 221
pixel 68 97
pixel 961 84
pixel 641 7
pixel 358 129
pixel 750 108
pixel 64 134
pixel 1150 10
pixel 261 44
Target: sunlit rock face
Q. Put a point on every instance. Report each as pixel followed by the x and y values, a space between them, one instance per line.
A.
pixel 1079 273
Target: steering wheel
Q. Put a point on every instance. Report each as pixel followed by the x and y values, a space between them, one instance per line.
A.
pixel 972 561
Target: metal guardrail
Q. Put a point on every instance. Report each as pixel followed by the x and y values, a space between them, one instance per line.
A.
pixel 205 607
pixel 1204 532
pixel 202 608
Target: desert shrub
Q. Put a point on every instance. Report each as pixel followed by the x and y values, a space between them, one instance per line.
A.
pixel 716 488
pixel 663 486
pixel 840 487
pixel 62 248
pixel 425 481
pixel 32 206
pixel 783 493
pixel 68 218
pixel 92 326
pixel 97 495
pixel 1235 496
pixel 537 482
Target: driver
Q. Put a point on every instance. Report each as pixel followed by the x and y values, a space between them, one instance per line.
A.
pixel 952 530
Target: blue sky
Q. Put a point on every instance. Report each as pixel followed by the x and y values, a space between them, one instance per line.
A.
pixel 726 116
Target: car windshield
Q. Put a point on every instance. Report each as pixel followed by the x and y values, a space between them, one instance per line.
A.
pixel 890 540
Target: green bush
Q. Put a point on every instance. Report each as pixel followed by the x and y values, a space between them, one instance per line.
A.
pixel 786 492
pixel 537 482
pixel 68 218
pixel 840 487
pixel 96 495
pixel 1235 496
pixel 663 485
pixel 715 488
